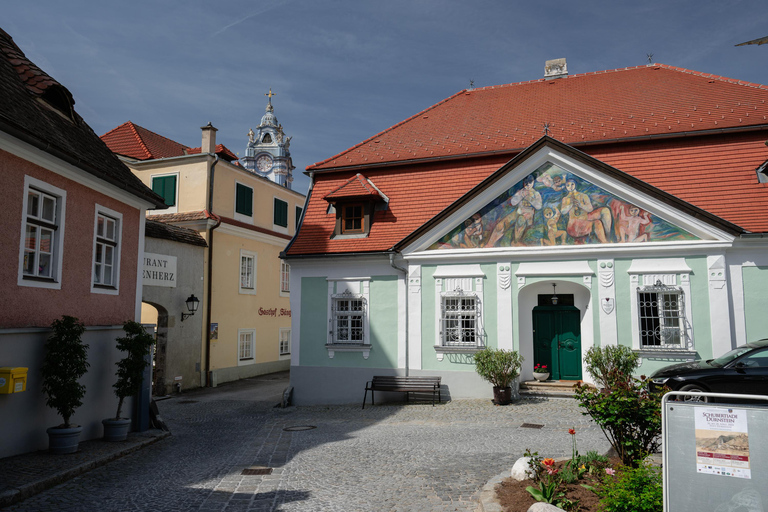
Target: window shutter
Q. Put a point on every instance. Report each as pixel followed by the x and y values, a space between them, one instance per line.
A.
pixel 165 187
pixel 281 213
pixel 244 200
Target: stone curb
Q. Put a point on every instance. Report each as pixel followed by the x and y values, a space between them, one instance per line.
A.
pixel 23 492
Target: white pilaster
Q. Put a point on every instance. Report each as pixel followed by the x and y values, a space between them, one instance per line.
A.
pixel 719 307
pixel 414 319
pixel 607 296
pixel 504 306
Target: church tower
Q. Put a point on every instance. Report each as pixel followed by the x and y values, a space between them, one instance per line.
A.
pixel 267 152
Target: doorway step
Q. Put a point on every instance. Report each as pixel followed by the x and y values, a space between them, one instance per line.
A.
pixel 562 388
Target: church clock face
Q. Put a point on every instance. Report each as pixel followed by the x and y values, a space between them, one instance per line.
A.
pixel 264 163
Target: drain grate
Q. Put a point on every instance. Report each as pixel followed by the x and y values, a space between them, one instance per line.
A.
pixel 531 425
pixel 187 401
pixel 257 470
pixel 299 428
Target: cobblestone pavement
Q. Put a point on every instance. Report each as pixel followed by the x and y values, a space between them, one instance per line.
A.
pixel 384 458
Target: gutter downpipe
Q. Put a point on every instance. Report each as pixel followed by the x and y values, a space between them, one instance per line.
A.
pixel 405 281
pixel 209 271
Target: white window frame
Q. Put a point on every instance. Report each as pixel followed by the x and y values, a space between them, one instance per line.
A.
pixel 117 218
pixel 661 306
pixel 672 273
pixel 245 290
pixel 242 337
pixel 285 279
pixel 175 207
pixel 239 216
pixel 455 281
pixel 57 239
pixel 284 343
pixel 351 289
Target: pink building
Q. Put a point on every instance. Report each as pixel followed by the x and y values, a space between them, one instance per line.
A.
pixel 72 240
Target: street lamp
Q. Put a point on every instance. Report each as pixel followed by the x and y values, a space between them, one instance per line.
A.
pixel 554 294
pixel 192 304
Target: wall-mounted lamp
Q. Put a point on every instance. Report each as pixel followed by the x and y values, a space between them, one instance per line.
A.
pixel 192 304
pixel 554 294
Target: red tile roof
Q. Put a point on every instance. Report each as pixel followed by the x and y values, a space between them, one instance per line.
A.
pixel 356 187
pixel 640 102
pixel 134 141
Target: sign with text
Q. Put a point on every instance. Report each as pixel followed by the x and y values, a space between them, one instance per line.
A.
pixel 159 270
pixel 722 442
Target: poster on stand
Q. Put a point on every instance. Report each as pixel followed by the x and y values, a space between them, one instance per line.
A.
pixel 722 442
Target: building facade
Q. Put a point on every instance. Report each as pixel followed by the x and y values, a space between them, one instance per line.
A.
pixel 72 245
pixel 246 220
pixel 545 217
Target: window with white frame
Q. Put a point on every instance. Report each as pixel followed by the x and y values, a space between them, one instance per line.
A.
pixel 458 309
pixel 106 250
pixel 285 277
pixel 42 234
pixel 460 319
pixel 248 272
pixel 245 347
pixel 285 342
pixel 347 322
pixel 661 316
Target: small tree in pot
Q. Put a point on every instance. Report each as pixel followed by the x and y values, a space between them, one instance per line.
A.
pixel 65 361
pixel 500 368
pixel 136 344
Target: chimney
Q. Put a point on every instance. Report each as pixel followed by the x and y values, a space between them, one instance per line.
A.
pixel 209 139
pixel 555 68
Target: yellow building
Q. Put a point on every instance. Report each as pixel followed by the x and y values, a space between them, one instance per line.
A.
pixel 247 219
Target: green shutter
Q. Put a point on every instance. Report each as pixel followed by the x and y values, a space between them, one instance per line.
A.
pixel 165 187
pixel 298 215
pixel 281 213
pixel 244 200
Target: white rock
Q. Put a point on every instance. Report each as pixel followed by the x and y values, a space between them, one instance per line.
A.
pixel 543 507
pixel 521 471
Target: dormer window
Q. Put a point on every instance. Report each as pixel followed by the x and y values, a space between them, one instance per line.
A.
pixel 352 218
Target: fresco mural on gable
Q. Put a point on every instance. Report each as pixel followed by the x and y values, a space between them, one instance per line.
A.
pixel 553 207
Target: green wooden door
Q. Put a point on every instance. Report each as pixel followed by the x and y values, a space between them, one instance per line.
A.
pixel 557 341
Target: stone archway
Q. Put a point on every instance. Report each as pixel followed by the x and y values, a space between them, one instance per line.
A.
pixel 152 313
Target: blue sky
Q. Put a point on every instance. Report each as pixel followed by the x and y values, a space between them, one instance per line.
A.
pixel 343 70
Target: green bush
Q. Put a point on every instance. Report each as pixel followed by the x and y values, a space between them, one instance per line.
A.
pixel 65 361
pixel 606 364
pixel 629 415
pixel 638 489
pixel 137 344
pixel 497 366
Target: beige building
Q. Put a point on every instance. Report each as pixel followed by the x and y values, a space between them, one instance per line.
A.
pixel 246 220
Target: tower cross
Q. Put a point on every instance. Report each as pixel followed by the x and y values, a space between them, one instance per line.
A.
pixel 270 94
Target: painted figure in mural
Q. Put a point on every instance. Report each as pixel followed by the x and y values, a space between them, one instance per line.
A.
pixel 629 225
pixel 583 218
pixel 472 234
pixel 527 201
pixel 554 182
pixel 552 216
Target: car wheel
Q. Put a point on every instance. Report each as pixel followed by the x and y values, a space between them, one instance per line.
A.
pixel 693 398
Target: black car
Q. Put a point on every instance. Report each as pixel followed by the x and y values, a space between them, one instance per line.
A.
pixel 743 370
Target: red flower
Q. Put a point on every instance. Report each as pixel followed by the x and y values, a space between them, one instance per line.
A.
pixel 572 431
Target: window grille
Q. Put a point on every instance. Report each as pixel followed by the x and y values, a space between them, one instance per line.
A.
pixel 460 314
pixel 347 319
pixel 662 319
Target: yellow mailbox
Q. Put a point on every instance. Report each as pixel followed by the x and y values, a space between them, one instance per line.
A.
pixel 12 380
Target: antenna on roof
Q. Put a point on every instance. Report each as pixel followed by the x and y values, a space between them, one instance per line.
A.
pixel 650 58
pixel 471 84
pixel 546 129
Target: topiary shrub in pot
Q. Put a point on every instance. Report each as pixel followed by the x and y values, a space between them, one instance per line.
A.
pixel 65 361
pixel 136 344
pixel 500 368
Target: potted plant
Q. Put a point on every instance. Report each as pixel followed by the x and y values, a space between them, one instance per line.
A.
pixel 136 344
pixel 540 372
pixel 500 368
pixel 65 361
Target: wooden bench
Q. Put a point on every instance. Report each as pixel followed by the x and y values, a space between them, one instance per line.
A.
pixel 403 384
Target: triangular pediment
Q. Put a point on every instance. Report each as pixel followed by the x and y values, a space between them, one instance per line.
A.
pixel 555 196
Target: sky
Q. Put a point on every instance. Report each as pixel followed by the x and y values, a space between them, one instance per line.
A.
pixel 344 70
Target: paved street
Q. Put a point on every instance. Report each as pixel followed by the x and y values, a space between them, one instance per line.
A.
pixel 383 458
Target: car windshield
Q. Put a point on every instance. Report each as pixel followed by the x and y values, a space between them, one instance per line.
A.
pixel 730 356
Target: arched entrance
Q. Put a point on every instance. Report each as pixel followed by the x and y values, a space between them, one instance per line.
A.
pixel 156 314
